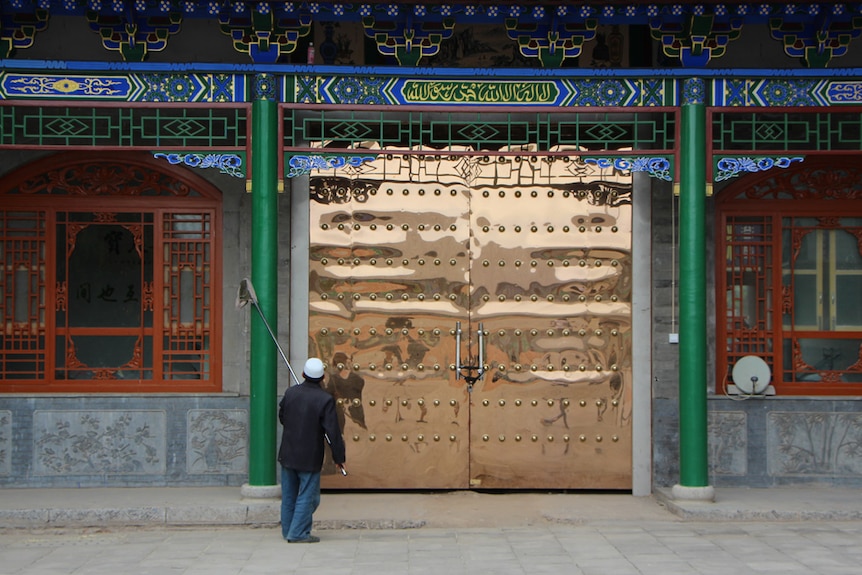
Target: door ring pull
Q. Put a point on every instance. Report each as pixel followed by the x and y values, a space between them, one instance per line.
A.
pixel 479 370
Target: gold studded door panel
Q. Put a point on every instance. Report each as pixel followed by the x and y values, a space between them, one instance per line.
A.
pixel 389 279
pixel 551 283
pixel 536 250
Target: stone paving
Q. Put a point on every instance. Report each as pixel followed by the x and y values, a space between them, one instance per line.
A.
pixel 215 531
pixel 617 547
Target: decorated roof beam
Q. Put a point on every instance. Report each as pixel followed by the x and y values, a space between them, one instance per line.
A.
pixel 131 34
pixel 267 30
pixel 816 37
pixel 407 39
pixel 695 39
pixel 551 42
pixel 18 30
pixel 474 12
pixel 262 33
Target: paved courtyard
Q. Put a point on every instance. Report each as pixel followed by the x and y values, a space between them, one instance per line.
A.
pixel 215 531
pixel 619 547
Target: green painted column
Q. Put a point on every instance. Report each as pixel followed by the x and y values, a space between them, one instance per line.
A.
pixel 264 276
pixel 694 464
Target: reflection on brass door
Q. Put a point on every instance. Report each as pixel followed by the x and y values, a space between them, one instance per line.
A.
pixel 540 253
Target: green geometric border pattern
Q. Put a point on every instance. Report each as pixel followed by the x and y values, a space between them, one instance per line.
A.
pixel 85 125
pixel 534 91
pixel 132 87
pixel 572 128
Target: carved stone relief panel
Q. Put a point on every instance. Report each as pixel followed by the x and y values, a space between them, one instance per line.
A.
pixel 728 442
pixel 5 442
pixel 93 442
pixel 814 443
pixel 217 441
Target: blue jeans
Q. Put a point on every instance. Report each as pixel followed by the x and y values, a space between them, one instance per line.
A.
pixel 300 496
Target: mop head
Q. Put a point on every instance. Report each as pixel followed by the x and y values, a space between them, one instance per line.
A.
pixel 245 294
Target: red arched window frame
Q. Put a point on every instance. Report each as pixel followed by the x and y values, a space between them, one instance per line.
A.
pixel 73 224
pixel 782 293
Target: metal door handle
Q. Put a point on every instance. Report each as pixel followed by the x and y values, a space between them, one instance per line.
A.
pixel 479 369
pixel 457 350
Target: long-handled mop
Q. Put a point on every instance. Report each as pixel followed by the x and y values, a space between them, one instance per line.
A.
pixel 244 295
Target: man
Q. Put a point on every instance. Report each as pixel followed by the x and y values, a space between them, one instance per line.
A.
pixel 307 413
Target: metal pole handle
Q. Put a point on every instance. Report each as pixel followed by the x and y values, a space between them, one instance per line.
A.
pixel 457 350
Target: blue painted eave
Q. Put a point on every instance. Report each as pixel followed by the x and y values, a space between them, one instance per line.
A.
pixel 15 65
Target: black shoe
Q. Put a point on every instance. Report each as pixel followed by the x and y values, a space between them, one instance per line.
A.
pixel 309 539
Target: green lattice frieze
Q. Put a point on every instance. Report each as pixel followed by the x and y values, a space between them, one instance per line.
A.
pixel 150 128
pixel 595 131
pixel 792 132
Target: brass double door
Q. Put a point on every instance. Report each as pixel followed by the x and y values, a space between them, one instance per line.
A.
pixel 536 250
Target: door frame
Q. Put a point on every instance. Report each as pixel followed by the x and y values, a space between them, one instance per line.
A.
pixel 298 193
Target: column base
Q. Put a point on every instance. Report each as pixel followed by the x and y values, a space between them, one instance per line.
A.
pixel 260 491
pixel 681 492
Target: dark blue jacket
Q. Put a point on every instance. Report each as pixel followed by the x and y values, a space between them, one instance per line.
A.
pixel 307 412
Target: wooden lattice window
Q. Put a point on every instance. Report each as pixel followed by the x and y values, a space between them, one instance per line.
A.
pixel 110 275
pixel 789 277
